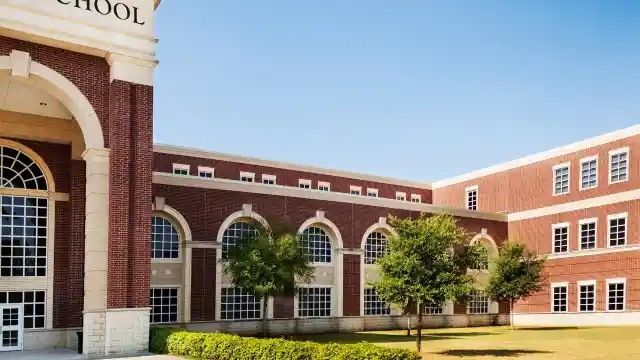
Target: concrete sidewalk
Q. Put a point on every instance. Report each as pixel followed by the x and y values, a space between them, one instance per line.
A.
pixel 68 354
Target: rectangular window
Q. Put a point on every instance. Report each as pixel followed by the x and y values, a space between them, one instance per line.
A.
pixel 180 169
pixel 472 197
pixel 416 198
pixel 431 309
pixel 618 165
pixel 586 296
pixel 314 302
pixel 372 192
pixel 164 305
pixel 324 186
pixel 23 247
pixel 400 196
pixel 373 305
pixel 588 173
pixel 561 179
pixel 355 190
pixel 34 306
pixel 478 304
pixel 237 304
pixel 560 293
pixel 616 294
pixel 304 184
pixel 247 176
pixel 588 233
pixel 205 172
pixel 560 238
pixel 268 179
pixel 617 229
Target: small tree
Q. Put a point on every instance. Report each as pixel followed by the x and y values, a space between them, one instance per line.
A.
pixel 268 266
pixel 426 264
pixel 516 274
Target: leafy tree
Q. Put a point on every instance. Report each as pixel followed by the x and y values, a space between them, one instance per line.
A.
pixel 268 266
pixel 426 264
pixel 516 274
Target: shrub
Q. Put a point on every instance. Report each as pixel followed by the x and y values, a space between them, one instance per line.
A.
pixel 217 346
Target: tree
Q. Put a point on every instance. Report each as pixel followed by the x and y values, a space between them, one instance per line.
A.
pixel 516 274
pixel 425 263
pixel 268 266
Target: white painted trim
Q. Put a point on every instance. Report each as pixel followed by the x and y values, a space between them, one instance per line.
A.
pixel 576 205
pixel 401 194
pixel 626 289
pixel 626 228
pixel 587 282
pixel 267 177
pixel 617 152
pixel 290 191
pixel 483 235
pixel 555 168
pixel 304 183
pixel 542 156
pixel 553 236
pixel 471 188
pixel 623 215
pixel 181 299
pixel 248 175
pixel 595 295
pixel 205 169
pixel 357 189
pixel 204 154
pixel 328 225
pixel 467 193
pixel 372 192
pixel 588 221
pixel 559 285
pixel 596 251
pixel 585 222
pixel 324 184
pixel 582 161
pixel 335 302
pixel 416 197
pixel 380 225
pixel 181 167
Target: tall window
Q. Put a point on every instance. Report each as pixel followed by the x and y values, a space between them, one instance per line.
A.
pixel 616 294
pixel 617 230
pixel 237 304
pixel 314 302
pixel 588 173
pixel 373 304
pixel 587 296
pixel 560 238
pixel 316 245
pixel 561 179
pixel 618 166
pixel 472 198
pixel 560 294
pixel 374 247
pixel 236 233
pixel 165 243
pixel 34 306
pixel 23 247
pixel 588 234
pixel 478 304
pixel 164 305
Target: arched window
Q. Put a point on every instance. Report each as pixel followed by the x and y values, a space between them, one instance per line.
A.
pixel 19 171
pixel 235 234
pixel 315 243
pixel 374 247
pixel 165 241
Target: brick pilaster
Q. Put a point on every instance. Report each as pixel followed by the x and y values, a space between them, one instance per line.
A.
pixel 75 252
pixel 351 285
pixel 203 285
pixel 61 295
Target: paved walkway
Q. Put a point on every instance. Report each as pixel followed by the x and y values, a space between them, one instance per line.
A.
pixel 68 354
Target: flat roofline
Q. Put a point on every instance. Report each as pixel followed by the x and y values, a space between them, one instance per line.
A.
pixel 541 156
pixel 206 154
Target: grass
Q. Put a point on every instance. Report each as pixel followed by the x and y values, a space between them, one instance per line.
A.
pixel 489 343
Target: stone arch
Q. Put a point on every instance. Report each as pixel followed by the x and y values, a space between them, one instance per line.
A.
pixel 483 237
pixel 51 185
pixel 327 225
pixel 245 213
pixel 19 65
pixel 382 226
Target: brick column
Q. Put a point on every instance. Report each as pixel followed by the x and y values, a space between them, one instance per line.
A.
pixel 75 252
pixel 351 285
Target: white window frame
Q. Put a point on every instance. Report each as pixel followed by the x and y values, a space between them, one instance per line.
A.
pixel 582 162
pixel 626 228
pixel 624 295
pixel 401 196
pixel 178 298
pixel 387 308
pixel 204 169
pixel 181 167
pixel 357 189
pixel 617 152
pixel 322 184
pixel 554 169
pixel 304 183
pixel 233 288
pixel 248 175
pixel 372 192
pixel 553 237
pixel 595 294
pixel 416 197
pixel 559 285
pixel 332 303
pixel 584 222
pixel 267 177
pixel 467 192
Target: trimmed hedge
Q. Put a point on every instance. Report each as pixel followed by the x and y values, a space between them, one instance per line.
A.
pixel 217 346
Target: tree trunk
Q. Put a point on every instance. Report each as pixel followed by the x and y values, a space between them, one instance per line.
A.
pixel 419 329
pixel 511 313
pixel 409 324
pixel 265 323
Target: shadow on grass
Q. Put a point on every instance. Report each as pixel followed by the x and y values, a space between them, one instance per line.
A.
pixel 505 353
pixel 551 328
pixel 350 338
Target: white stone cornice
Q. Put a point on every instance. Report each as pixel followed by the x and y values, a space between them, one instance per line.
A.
pixel 131 70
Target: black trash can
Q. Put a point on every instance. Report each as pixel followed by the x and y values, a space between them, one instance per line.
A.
pixel 79 342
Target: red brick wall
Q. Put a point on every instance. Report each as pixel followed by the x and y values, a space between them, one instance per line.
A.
pixel 203 284
pixel 75 252
pixel 531 186
pixel 61 296
pixel 351 285
pixel 231 170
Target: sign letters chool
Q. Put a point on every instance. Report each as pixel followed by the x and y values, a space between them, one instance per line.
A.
pixel 108 8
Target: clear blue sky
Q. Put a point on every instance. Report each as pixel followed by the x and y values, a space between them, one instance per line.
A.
pixel 414 89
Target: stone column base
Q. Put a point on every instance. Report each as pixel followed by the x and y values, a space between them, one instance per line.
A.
pixel 116 331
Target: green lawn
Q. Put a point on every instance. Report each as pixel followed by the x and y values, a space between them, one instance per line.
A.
pixel 487 343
